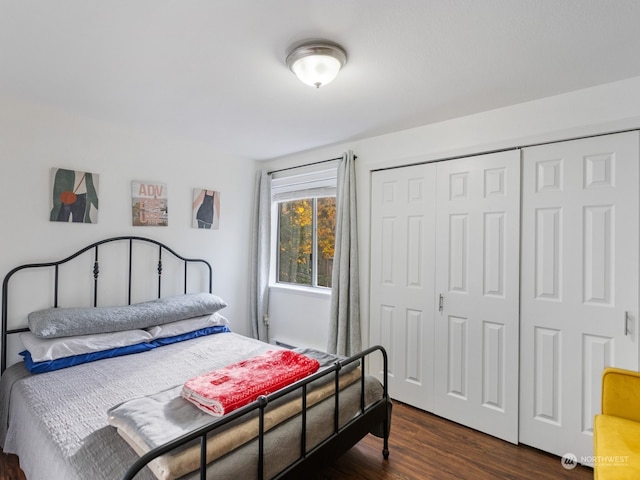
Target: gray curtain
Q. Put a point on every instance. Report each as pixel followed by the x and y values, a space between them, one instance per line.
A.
pixel 260 251
pixel 344 320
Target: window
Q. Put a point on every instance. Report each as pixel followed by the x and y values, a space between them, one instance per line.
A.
pixel 306 239
pixel 305 207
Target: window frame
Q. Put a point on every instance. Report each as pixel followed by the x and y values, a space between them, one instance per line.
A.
pixel 311 185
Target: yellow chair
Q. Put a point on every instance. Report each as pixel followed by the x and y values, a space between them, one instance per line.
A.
pixel 616 433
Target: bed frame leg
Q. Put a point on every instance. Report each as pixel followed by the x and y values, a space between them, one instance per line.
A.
pixel 385 443
pixel 386 430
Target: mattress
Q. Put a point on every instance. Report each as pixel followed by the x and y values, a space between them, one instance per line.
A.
pixel 56 422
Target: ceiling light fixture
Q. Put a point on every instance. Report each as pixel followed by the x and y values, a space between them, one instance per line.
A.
pixel 316 63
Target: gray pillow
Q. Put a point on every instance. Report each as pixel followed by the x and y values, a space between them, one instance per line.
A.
pixel 65 322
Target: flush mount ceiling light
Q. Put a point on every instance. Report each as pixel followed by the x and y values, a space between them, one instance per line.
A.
pixel 316 63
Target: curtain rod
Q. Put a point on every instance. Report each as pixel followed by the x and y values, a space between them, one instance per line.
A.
pixel 306 165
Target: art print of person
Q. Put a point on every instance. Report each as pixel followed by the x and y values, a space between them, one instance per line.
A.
pixel 206 208
pixel 74 196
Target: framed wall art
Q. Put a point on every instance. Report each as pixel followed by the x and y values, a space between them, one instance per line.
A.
pixel 205 211
pixel 149 205
pixel 74 196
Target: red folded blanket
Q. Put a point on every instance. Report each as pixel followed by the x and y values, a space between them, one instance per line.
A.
pixel 231 387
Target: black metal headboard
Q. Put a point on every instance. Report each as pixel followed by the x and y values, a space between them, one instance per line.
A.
pixel 94 277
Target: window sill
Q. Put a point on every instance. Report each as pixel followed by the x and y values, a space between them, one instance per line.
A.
pixel 300 290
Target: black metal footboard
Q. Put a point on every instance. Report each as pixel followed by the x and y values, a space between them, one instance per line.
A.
pixel 372 418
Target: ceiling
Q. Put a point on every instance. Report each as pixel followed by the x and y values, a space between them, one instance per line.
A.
pixel 214 71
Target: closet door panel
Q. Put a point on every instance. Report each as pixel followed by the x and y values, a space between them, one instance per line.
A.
pixel 477 268
pixel 401 282
pixel 579 287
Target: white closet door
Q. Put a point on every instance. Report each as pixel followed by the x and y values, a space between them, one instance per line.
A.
pixel 579 296
pixel 476 328
pixel 401 279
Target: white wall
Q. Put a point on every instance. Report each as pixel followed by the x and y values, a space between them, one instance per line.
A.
pixel 35 138
pixel 606 108
pixel 289 316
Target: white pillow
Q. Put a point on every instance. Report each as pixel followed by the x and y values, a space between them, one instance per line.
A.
pixel 185 326
pixel 45 349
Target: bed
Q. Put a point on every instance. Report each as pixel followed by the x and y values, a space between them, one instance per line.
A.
pixel 117 412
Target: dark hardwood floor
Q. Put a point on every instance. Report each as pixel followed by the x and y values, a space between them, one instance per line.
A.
pixel 425 447
pixel 9 468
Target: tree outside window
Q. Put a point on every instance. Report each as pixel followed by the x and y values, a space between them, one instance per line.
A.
pixel 306 241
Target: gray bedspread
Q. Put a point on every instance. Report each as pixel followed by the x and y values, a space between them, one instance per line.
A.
pixel 58 420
